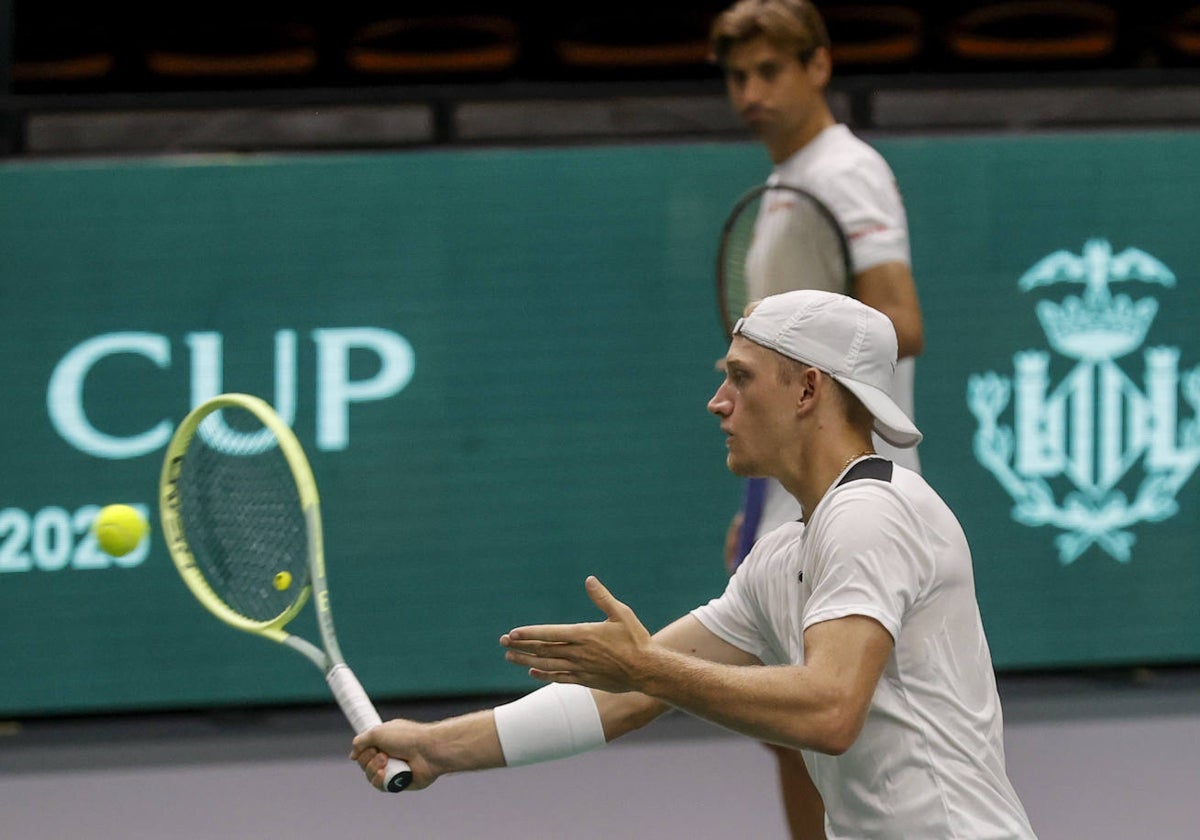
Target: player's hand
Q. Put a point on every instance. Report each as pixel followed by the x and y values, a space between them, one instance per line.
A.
pixel 396 738
pixel 605 655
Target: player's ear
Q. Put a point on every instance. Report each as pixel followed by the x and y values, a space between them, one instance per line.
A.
pixel 810 382
pixel 820 67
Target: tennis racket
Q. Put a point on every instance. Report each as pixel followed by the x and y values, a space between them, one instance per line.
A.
pixel 775 239
pixel 241 517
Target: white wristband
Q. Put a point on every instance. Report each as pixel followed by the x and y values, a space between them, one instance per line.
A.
pixel 553 722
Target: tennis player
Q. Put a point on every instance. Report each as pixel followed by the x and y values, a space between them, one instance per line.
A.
pixel 852 635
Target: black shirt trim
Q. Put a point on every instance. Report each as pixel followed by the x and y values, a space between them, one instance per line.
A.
pixel 879 469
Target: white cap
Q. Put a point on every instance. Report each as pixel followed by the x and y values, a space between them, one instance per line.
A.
pixel 845 338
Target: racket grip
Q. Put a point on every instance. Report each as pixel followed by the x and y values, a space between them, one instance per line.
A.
pixel 360 711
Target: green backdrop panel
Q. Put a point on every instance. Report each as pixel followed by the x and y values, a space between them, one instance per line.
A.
pixel 498 362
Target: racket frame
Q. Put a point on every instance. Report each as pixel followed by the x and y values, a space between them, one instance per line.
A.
pixel 328 658
pixel 306 486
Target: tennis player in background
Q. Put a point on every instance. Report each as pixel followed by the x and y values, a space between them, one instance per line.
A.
pixel 853 635
pixel 775 55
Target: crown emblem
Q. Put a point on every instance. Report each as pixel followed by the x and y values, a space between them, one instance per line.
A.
pixel 1097 325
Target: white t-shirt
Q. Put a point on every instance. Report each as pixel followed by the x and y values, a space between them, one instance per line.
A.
pixel 857 184
pixel 929 762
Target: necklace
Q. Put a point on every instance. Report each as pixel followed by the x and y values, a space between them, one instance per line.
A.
pixel 854 458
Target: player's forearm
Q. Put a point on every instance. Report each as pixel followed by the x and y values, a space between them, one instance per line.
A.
pixel 467 742
pixel 910 334
pixel 472 741
pixel 560 720
pixel 784 705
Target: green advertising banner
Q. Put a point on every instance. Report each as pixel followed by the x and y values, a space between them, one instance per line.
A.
pixel 498 363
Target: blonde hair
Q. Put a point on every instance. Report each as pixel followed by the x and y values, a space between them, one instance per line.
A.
pixel 792 25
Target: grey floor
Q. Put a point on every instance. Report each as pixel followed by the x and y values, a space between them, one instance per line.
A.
pixel 1098 756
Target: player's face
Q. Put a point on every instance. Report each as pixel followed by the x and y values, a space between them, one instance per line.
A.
pixel 776 94
pixel 756 410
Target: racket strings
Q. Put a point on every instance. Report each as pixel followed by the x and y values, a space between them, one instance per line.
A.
pixel 245 525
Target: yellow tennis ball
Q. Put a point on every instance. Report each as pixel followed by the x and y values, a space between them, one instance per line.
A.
pixel 283 580
pixel 119 529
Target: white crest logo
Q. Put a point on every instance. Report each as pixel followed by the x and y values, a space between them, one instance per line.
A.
pixel 1096 425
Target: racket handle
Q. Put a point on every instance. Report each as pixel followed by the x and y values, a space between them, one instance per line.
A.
pixel 360 711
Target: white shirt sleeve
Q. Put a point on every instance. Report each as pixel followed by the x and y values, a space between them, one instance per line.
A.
pixel 733 616
pixel 740 615
pixel 866 201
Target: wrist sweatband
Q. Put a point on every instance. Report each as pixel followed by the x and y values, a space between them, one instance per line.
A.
pixel 553 722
